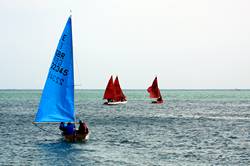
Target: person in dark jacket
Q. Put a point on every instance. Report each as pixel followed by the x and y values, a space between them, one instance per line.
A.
pixel 62 128
pixel 70 129
pixel 83 128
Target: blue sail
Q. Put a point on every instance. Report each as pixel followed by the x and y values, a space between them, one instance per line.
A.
pixel 57 101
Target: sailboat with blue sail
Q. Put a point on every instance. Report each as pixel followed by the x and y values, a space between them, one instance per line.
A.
pixel 57 100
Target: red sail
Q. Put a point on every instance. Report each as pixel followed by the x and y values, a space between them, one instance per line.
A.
pixel 118 91
pixel 153 90
pixel 110 91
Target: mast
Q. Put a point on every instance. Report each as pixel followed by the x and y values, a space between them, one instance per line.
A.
pixel 73 64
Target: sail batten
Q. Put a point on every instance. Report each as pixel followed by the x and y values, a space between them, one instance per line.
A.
pixel 57 100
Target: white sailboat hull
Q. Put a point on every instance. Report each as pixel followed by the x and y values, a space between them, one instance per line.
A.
pixel 115 103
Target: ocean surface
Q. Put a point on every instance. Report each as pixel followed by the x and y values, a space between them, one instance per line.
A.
pixel 192 127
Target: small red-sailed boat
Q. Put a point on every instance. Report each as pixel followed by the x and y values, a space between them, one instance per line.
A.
pixel 154 92
pixel 113 93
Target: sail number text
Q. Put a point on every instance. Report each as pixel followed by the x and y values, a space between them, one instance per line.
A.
pixel 60 54
pixel 59 69
pixel 57 63
pixel 55 78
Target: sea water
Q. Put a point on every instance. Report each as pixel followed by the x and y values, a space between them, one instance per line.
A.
pixel 192 127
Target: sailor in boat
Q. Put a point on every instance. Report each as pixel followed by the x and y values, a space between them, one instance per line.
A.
pixel 70 129
pixel 83 128
pixel 62 128
pixel 67 130
pixel 71 134
pixel 109 100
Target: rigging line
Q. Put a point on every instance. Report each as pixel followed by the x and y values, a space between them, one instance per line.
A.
pixel 46 130
pixel 77 85
pixel 75 60
pixel 78 73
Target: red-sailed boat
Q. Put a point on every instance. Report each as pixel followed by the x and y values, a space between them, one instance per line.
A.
pixel 113 93
pixel 154 92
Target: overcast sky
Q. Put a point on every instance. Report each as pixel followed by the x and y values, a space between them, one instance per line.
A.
pixel 187 44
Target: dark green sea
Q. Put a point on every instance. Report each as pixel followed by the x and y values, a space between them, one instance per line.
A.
pixel 192 127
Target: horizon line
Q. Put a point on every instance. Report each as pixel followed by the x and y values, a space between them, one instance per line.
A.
pixel 139 89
